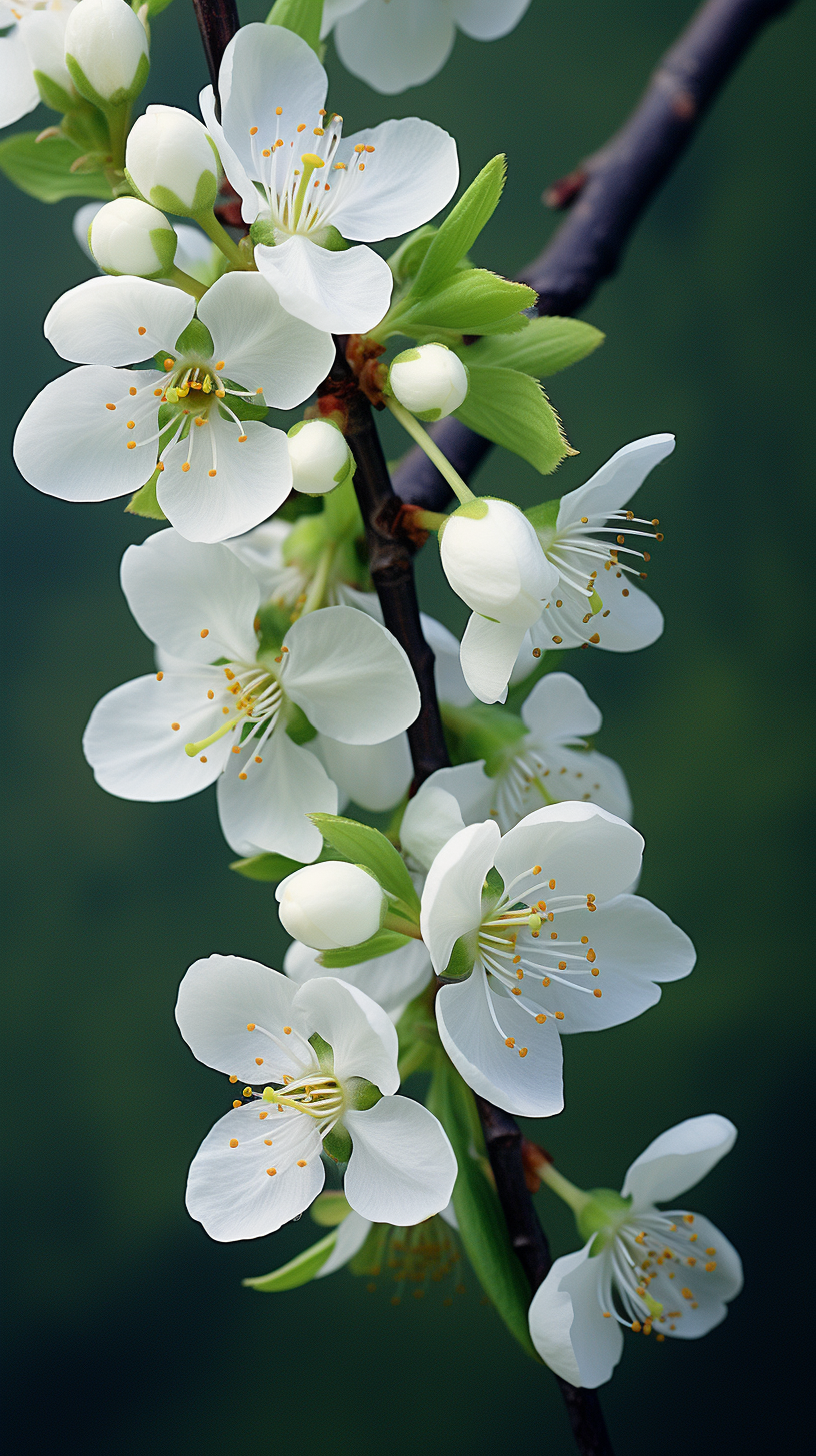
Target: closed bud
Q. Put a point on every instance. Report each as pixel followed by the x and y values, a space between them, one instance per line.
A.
pixel 331 905
pixel 106 52
pixel 319 456
pixel 494 562
pixel 43 33
pixel 430 381
pixel 171 161
pixel 129 236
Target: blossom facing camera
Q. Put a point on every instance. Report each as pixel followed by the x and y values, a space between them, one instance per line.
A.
pixel 640 1268
pixel 431 381
pixel 327 906
pixel 106 52
pixel 319 456
pixel 129 236
pixel 325 1058
pixel 172 162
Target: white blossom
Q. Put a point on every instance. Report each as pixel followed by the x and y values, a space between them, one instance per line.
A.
pixel 129 236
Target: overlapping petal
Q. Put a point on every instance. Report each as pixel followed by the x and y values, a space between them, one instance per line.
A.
pixel 261 344
pixel 391 980
pixel 374 775
pixel 567 1322
pixel 488 653
pixel 402 1167
pixel 223 995
pixel 345 292
pixel 117 320
pixel 431 818
pixel 475 1025
pixel 452 897
pixel 350 676
pixel 195 601
pixel 362 1037
pixel 585 849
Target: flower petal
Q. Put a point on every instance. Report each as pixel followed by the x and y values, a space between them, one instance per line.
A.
pixel 470 787
pixel 253 478
pixel 360 1034
pixel 19 93
pixel 450 682
pixel 261 344
pixel 488 654
pixel 402 1167
pixel 679 1159
pixel 344 292
pixel 687 1318
pixel 117 321
pixel 351 1235
pixel 616 481
pixel 350 676
pixel 567 1324
pixel 267 810
pixel 585 850
pixel 528 1085
pixel 70 445
pixel 411 174
pixel 431 818
pixel 391 980
pixel 266 67
pixel 397 45
pixel 560 708
pixel 241 180
pixel 452 897
pixel 484 19
pixel 223 995
pixel 628 621
pixel 228 1188
pixel 133 749
pixel 373 775
pixel 586 776
pixel 197 602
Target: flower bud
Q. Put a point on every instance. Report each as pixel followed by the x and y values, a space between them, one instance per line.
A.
pixel 43 34
pixel 171 161
pixel 319 455
pixel 430 381
pixel 494 562
pixel 128 236
pixel 331 905
pixel 106 52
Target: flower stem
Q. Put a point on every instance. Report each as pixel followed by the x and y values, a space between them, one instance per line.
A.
pixel 209 224
pixel 118 118
pixel 423 439
pixel 575 1197
pixel 428 520
pixel 186 283
pixel 403 927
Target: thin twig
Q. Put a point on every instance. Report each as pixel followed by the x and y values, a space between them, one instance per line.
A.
pixel 217 22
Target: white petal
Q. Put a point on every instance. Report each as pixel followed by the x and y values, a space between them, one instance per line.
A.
pixel 448 676
pixel 679 1158
pixel 267 810
pixel 261 344
pixel 241 180
pixel 411 174
pixel 633 621
pixel 402 1168
pixel 350 676
pixel 18 89
pixel 488 654
pixel 529 1085
pixel 711 1288
pixel 219 998
pixel 431 818
pixel 397 45
pixel 567 1324
pixel 360 1034
pixel 117 320
pixel 197 602
pixel 266 67
pixel 390 980
pixel 253 478
pixel 344 293
pixel 580 846
pixel 452 897
pixel 136 754
pixel 560 708
pixel 68 443
pixel 229 1190
pixel 616 481
pixel 262 551
pixel 351 1235
pixel 485 19
pixel 373 775
pixel 587 776
pixel 470 786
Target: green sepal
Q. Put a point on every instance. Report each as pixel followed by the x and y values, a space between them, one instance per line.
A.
pixel 361 1093
pixel 482 1227
pixel 271 868
pixel 472 301
pixel 54 95
pixel 323 1052
pixel 273 623
pixel 122 97
pixel 196 339
pixel 242 407
pixel 461 228
pixel 145 501
pixel 605 1210
pixel 337 1144
pixel 380 944
pixel 299 1270
pixel 545 346
pixel 544 516
pixel 262 232
pixel 406 262
pixel 43 169
pixel 486 731
pixel 167 201
pixel 298 727
pixel 512 410
pixel 361 844
pixel 304 17
pixel 330 1208
pixel 462 960
pixel 332 240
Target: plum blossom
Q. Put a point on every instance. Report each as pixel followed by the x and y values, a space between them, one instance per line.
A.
pixel 279 148
pixel 640 1268
pixel 102 430
pixel 325 1058
pixel 34 40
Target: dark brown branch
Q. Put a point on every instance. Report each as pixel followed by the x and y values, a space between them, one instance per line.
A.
pixel 218 22
pixel 608 194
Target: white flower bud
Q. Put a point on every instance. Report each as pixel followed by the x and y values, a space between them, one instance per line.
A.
pixel 493 559
pixel 171 161
pixel 430 381
pixel 43 33
pixel 330 905
pixel 319 456
pixel 106 51
pixel 129 236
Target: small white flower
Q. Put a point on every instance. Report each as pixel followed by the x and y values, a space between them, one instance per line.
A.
pixel 99 431
pixel 106 51
pixel 430 381
pixel 286 158
pixel 326 1058
pixel 641 1268
pixel 554 943
pixel 33 41
pixel 319 456
pixel 393 44
pixel 195 254
pixel 219 710
pixel 172 162
pixel 330 905
pixel 129 236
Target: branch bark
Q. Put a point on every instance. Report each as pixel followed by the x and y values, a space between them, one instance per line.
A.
pixel 608 193
pixel 217 22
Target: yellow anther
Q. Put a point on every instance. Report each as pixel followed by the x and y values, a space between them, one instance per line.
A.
pixel 541 1018
pixel 233 1142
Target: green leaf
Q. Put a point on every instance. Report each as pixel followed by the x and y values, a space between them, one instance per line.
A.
pixel 274 867
pixel 482 1228
pixel 302 16
pixel 351 955
pixel 43 169
pixel 461 227
pixel 154 7
pixel 472 301
pixel 298 1271
pixel 549 344
pixel 407 260
pixel 512 410
pixel 145 501
pixel 360 844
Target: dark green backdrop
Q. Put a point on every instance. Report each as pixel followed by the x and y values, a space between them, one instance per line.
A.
pixel 128 1328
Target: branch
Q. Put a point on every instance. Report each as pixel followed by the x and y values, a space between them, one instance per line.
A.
pixel 610 191
pixel 218 22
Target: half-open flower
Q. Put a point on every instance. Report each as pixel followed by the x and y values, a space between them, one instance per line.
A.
pixel 325 1058
pixel 32 64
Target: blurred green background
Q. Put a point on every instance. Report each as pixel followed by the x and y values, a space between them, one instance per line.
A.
pixel 128 1328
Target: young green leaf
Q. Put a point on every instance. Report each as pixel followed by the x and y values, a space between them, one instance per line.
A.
pixel 549 344
pixel 472 301
pixel 461 227
pixel 351 955
pixel 360 844
pixel 298 1271
pixel 43 169
pixel 274 867
pixel 512 410
pixel 301 16
pixel 407 260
